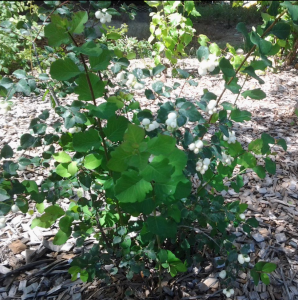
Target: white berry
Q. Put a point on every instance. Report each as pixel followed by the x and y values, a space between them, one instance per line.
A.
pixel 15 208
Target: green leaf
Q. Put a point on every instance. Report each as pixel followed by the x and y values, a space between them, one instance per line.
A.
pixel 64 69
pixel 90 49
pixel 238 115
pixel 241 27
pixel 56 31
pixel 263 45
pixel 87 140
pixel 22 204
pixel 251 72
pixel 62 157
pixel 65 224
pixel 260 170
pixel 254 274
pixel 72 168
pixel 228 106
pixel 158 69
pixel 160 226
pixel 135 134
pixel 247 160
pixel 92 161
pixel 293 10
pixel 19 74
pixel 149 94
pixel 252 222
pixel 60 238
pixel 131 187
pixel 113 36
pixel 62 170
pixel 161 145
pixel 77 23
pixel 202 53
pixel 269 267
pixel 256 146
pixel 226 67
pixel 23 87
pixel 281 30
pixel 27 141
pixel 183 73
pixel 3 195
pixel 103 111
pixel 30 186
pixel 158 171
pixel 282 143
pixel 115 128
pixel 6 151
pixel 273 8
pixel 214 49
pixel 270 165
pixel 265 278
pixel 203 40
pixel 256 94
pixel 189 110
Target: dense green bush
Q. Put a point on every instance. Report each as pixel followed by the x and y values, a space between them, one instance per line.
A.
pixel 129 171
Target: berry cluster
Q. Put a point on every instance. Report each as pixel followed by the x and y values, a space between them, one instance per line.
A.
pixel 172 121
pixel 242 259
pixel 130 81
pixel 196 146
pixel 226 159
pixel 208 65
pixel 228 293
pixel 74 129
pixel 103 16
pixel 148 125
pixel 203 165
pixel 231 139
pixel 212 107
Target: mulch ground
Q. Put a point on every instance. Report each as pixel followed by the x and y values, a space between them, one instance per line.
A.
pixel 31 267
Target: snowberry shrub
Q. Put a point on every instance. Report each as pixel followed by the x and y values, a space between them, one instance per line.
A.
pixel 129 172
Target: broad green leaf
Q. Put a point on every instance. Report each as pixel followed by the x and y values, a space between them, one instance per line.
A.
pixel 149 94
pixel 6 151
pixel 214 49
pixel 251 72
pixel 72 168
pixel 113 36
pixel 131 187
pixel 263 45
pixel 269 267
pixel 238 115
pixel 22 204
pixel 119 159
pixel 65 224
pixel 203 40
pixel 256 94
pixel 90 49
pixel 83 90
pixel 103 111
pixel 241 27
pixel 27 141
pixel 162 227
pixel 100 62
pixel 265 278
pixel 202 53
pixel 87 140
pixel 3 195
pixel 293 10
pixel 267 139
pixel 281 30
pixel 260 170
pixel 158 171
pixel 228 106
pixel 64 69
pixel 226 67
pixel 77 23
pixel 61 237
pixel 247 160
pixel 282 143
pixel 256 146
pixel 158 69
pixel 252 222
pixel 161 145
pixel 273 8
pixel 183 73
pixel 23 87
pixel 134 135
pixel 62 157
pixel 270 165
pixel 30 186
pixel 189 110
pixel 254 274
pixel 115 128
pixel 62 170
pixel 92 161
pixel 56 31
